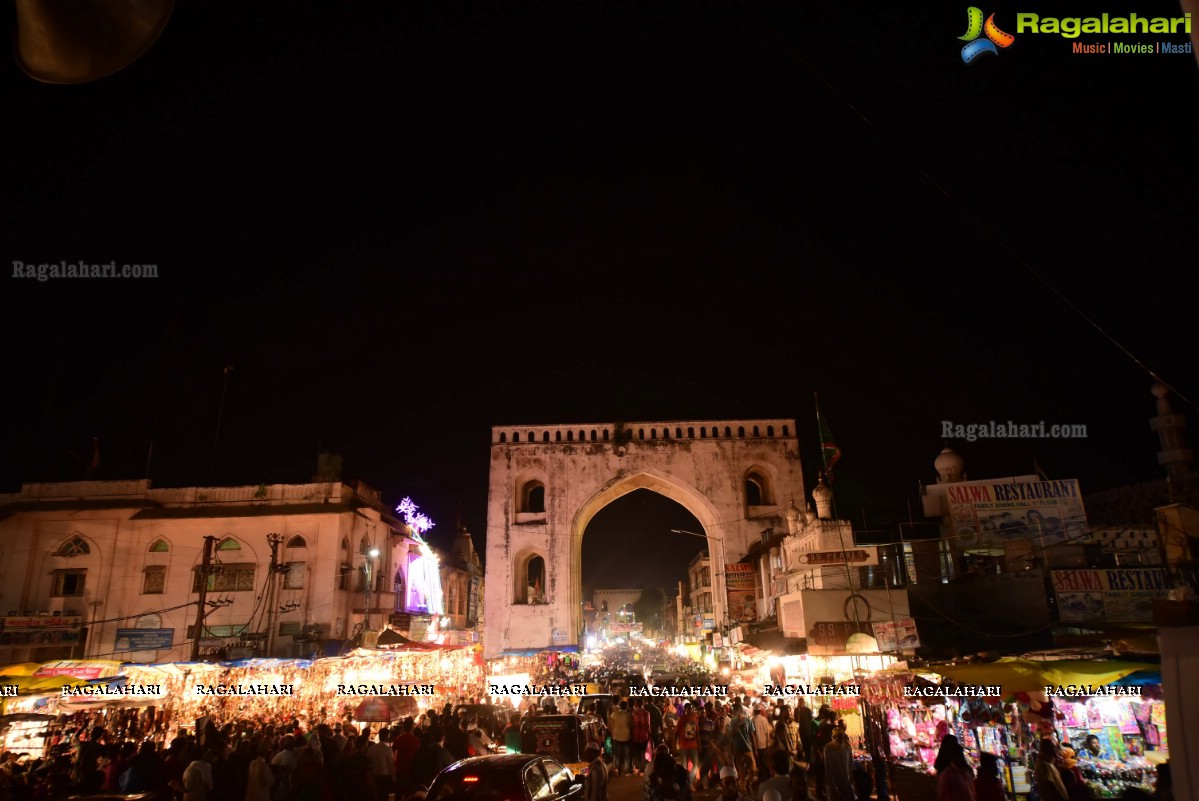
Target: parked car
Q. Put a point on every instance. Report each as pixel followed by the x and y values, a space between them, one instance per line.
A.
pixel 507 777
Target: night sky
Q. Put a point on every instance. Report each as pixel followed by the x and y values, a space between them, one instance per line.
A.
pixel 403 223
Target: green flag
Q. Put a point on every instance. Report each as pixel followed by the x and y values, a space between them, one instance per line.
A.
pixel 828 446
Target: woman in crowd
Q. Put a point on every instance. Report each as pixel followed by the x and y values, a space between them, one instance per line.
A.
pixel 955 777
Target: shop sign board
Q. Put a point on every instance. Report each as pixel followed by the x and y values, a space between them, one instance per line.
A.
pixel 739 585
pixel 987 514
pixel 1123 595
pixel 856 556
pixel 143 639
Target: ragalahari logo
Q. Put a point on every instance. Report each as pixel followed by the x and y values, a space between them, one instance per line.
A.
pixel 976 27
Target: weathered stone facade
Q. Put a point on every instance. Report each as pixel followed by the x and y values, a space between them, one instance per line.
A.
pixel 547 482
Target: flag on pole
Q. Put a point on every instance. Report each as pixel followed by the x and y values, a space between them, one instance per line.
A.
pixel 828 445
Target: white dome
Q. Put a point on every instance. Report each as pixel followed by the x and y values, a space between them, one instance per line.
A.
pixel 949 466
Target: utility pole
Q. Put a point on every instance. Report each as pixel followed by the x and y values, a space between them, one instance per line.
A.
pixel 272 595
pixel 205 567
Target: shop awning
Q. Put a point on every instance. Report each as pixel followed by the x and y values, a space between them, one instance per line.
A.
pixel 1020 675
pixel 562 649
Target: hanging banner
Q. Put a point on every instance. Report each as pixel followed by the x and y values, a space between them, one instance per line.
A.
pixel 739 585
pixel 898 635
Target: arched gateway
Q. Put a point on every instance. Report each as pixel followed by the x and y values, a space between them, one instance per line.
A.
pixel 548 481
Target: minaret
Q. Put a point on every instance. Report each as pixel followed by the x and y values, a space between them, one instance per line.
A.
pixel 949 466
pixel 823 496
pixel 1178 459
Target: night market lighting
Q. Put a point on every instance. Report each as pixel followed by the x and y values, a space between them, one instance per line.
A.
pixel 423 573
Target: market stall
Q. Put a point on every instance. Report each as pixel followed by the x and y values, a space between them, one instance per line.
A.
pixel 1087 701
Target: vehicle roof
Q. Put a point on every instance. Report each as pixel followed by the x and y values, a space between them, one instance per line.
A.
pixel 501 761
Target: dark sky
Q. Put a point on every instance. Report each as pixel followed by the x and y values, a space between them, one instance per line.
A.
pixel 403 223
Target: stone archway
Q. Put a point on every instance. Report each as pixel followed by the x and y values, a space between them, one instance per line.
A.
pixel 579 469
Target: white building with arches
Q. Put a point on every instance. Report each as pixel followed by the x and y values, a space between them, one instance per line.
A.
pixel 108 569
pixel 548 481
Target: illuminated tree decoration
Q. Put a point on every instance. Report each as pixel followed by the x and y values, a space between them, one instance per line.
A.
pixel 424 574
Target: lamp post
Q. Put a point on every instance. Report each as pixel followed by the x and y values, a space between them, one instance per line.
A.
pixel 367 564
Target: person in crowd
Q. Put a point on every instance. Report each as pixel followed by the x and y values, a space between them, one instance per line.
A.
pixel 1047 778
pixel 595 785
pixel 786 734
pixel 283 767
pixel 1163 789
pixel 620 725
pixel 730 790
pixel 955 777
pixel 825 723
pixel 804 719
pixel 763 732
pixel 743 737
pixel 799 782
pixel 838 767
pixel 260 778
pixel 670 722
pixel 197 778
pixel 431 759
pixel 780 779
pixel 688 734
pixel 383 765
pixel 478 743
pixel 642 723
pixel 654 709
pixel 988 784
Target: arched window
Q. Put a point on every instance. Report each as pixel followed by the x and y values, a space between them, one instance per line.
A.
pixel 530 579
pixel 703 432
pixel 757 490
pixel 397 583
pixel 593 435
pixel 605 435
pixel 570 436
pixel 557 436
pixel 516 436
pixel 76 546
pixel 753 493
pixel 756 434
pixel 503 437
pixel 364 545
pixel 545 436
pixel 297 542
pixel 741 431
pixel 582 436
pixel 228 544
pixel 641 433
pixel 770 431
pixel 728 432
pixel 653 433
pixel 678 433
pixel 785 434
pixel 159 546
pixel 691 433
pixel 532 498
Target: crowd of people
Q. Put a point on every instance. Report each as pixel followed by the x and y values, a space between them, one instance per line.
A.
pixel 743 748
pixel 246 761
